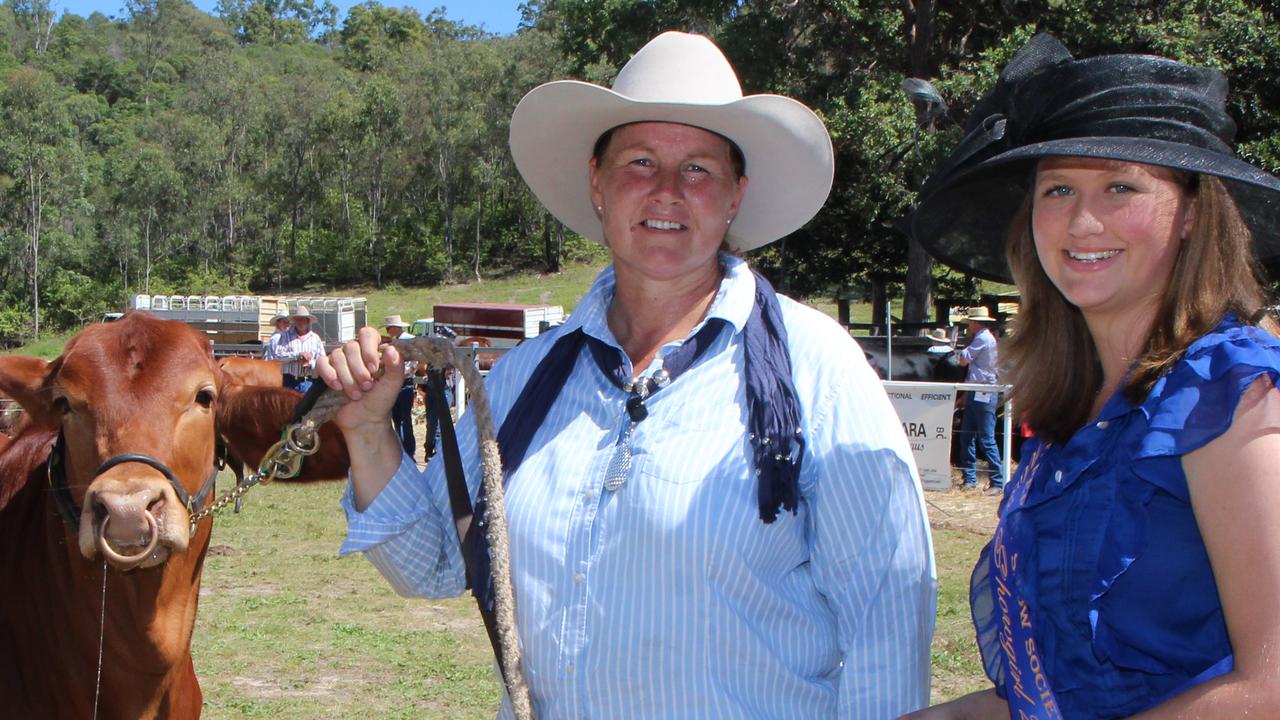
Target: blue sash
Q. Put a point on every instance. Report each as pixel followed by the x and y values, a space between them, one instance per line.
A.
pixel 1026 682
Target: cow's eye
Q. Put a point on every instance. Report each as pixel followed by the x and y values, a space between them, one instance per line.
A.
pixel 204 398
pixel 61 405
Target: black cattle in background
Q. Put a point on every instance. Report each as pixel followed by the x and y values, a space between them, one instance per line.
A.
pixel 912 360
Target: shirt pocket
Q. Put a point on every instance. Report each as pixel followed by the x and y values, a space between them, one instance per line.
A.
pixel 691 443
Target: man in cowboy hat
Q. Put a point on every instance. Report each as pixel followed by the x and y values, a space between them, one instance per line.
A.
pixel 713 509
pixel 978 422
pixel 402 411
pixel 299 351
pixel 942 343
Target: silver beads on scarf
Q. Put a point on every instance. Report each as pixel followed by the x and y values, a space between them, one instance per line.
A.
pixel 619 469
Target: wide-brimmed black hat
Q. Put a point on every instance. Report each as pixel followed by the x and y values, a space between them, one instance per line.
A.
pixel 1134 108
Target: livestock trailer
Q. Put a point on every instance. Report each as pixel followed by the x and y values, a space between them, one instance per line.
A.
pixel 233 322
pixel 504 325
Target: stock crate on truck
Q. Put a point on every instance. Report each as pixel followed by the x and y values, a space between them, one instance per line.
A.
pixel 504 325
pixel 239 324
pixel 336 318
pixel 226 319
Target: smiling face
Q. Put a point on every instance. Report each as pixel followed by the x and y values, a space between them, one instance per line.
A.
pixel 667 194
pixel 1108 233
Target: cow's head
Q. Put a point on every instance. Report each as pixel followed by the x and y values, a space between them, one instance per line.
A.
pixel 140 386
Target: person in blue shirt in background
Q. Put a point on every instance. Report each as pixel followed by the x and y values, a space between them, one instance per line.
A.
pixel 713 510
pixel 279 338
pixel 978 421
pixel 1136 561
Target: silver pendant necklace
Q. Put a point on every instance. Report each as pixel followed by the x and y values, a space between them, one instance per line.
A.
pixel 619 468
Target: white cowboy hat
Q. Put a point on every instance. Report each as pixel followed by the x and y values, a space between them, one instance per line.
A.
pixel 939 335
pixel 280 315
pixel 394 321
pixel 978 314
pixel 302 312
pixel 678 78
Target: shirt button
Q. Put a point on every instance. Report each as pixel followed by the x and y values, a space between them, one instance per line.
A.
pixel 1057 476
pixel 1102 424
pixel 577 577
pixel 569 668
pixel 590 493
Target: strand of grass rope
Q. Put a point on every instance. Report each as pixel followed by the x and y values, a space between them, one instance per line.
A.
pixel 438 352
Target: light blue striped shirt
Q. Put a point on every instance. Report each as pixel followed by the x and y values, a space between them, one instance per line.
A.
pixel 981 354
pixel 669 598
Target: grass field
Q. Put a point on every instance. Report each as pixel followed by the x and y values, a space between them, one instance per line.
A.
pixel 287 629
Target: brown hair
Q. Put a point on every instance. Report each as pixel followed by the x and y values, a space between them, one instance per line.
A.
pixel 1051 360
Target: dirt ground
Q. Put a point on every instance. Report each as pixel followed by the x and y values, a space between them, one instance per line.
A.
pixel 963 509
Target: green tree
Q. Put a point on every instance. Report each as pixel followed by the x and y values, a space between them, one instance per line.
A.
pixel 270 22
pixel 38 151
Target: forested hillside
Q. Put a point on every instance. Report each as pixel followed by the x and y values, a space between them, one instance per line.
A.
pixel 276 145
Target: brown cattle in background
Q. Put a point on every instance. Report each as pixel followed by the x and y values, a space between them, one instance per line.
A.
pixel 125 422
pixel 252 371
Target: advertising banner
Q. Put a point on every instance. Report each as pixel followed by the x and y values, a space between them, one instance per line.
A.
pixel 925 410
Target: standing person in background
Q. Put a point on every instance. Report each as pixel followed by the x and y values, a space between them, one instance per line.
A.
pixel 279 338
pixel 300 350
pixel 978 421
pixel 712 508
pixel 1135 566
pixel 431 440
pixel 402 411
pixel 942 344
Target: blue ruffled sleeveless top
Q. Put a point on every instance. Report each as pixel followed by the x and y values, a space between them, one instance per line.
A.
pixel 1111 559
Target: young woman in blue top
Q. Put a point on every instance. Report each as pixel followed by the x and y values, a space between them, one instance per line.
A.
pixel 713 510
pixel 1136 562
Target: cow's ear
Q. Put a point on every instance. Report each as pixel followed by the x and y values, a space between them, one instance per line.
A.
pixel 23 379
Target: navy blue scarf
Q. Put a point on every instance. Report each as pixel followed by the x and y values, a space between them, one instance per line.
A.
pixel 773 410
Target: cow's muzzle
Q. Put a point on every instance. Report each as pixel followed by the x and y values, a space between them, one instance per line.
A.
pixel 133 522
pixel 119 559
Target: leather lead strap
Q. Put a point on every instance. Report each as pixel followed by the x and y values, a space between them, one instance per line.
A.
pixel 460 498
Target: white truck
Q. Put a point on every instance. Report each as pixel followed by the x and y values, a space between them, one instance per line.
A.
pixel 239 324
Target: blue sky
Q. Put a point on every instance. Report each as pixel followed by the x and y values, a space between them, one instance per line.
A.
pixel 497 16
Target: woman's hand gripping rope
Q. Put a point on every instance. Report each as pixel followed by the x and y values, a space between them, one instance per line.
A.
pixel 367 376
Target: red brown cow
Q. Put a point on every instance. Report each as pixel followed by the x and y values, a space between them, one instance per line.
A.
pixel 252 371
pixel 123 426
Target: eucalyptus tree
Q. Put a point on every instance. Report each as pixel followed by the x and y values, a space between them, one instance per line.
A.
pixel 298 155
pixel 227 96
pixel 39 153
pixel 33 22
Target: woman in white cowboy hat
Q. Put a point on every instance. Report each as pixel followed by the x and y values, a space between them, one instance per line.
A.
pixel 713 509
pixel 1136 562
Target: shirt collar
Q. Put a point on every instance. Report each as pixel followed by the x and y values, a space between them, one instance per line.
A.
pixel 732 303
